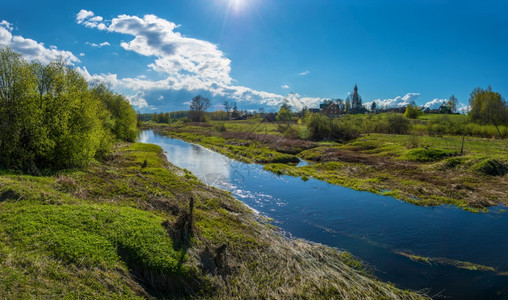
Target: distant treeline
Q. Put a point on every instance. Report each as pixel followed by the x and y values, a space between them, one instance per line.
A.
pixel 168 117
pixel 51 119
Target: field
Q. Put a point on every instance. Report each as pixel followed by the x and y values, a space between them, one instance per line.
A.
pixel 429 165
pixel 135 226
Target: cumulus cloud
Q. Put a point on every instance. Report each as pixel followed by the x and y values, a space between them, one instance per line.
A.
pixel 176 55
pixel 304 73
pixel 435 103
pixel 138 100
pixel 31 49
pixel 82 15
pixel 396 102
pixel 98 45
pixel 89 19
pixel 298 102
pixel 182 64
pixel 285 86
pixel 463 109
pixel 6 25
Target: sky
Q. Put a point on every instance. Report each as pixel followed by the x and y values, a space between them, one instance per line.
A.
pixel 160 54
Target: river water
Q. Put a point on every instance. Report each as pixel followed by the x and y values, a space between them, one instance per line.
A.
pixel 377 229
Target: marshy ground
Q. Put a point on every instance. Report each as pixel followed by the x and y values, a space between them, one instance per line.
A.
pixel 417 168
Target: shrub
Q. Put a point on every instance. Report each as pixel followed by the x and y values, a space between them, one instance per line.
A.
pixel 318 126
pixel 412 112
pixel 398 124
pixel 343 130
pixel 220 127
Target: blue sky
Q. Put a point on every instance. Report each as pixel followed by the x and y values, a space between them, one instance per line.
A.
pixel 258 52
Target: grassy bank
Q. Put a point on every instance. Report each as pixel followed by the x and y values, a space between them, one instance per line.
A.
pixel 417 168
pixel 135 226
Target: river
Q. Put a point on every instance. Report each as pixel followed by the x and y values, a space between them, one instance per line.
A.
pixel 379 230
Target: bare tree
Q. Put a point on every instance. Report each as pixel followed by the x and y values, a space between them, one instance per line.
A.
pixel 227 108
pixel 198 106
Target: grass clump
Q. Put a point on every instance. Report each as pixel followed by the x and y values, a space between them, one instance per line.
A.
pixel 426 154
pixel 491 167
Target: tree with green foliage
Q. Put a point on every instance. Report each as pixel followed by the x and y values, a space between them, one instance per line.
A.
pixel 123 116
pixel 284 116
pixel 412 112
pixel 488 107
pixel 50 119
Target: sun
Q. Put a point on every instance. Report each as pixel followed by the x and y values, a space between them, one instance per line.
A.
pixel 237 4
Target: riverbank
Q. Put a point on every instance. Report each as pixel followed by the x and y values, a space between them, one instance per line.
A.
pixel 125 227
pixel 423 170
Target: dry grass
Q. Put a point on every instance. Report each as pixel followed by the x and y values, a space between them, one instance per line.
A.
pixel 295 269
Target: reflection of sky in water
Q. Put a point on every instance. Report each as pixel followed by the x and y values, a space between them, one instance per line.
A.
pixel 370 226
pixel 208 166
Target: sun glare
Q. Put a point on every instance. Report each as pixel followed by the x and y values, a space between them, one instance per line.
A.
pixel 237 4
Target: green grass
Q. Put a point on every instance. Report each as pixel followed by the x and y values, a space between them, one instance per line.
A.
pixel 425 154
pixel 89 235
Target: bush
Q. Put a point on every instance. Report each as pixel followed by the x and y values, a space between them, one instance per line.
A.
pixel 412 112
pixel 398 124
pixel 318 126
pixel 343 130
pixel 322 128
pixel 220 127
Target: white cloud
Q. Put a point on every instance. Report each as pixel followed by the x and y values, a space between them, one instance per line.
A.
pixel 304 73
pixel 176 55
pixel 6 25
pixel 435 103
pixel 81 54
pixel 463 109
pixel 82 15
pixel 396 102
pixel 30 49
pixel 285 86
pixel 89 19
pixel 138 100
pixel 183 63
pixel 98 45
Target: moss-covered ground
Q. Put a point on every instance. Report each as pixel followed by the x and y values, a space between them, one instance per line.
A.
pixel 125 228
pixel 417 168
